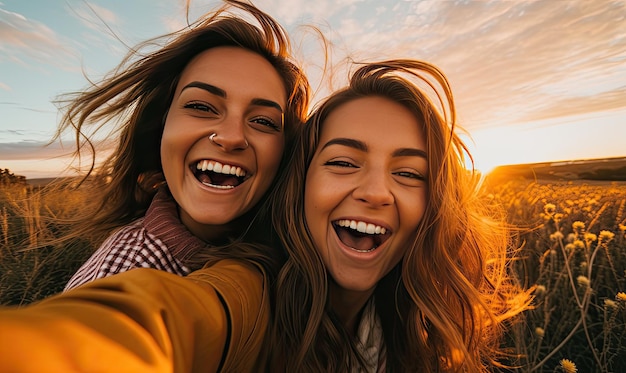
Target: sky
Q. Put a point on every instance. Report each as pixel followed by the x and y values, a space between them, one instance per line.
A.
pixel 533 81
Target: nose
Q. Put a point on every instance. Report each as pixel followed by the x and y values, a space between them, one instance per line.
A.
pixel 373 189
pixel 230 136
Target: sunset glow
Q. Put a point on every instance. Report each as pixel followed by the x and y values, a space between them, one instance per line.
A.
pixel 533 81
pixel 561 139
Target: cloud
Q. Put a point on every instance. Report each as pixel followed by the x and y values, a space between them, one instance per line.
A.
pixel 507 61
pixel 297 11
pixel 23 40
pixel 513 61
pixel 94 17
pixel 26 150
pixel 20 106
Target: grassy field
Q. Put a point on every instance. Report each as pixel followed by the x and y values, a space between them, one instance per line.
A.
pixel 569 221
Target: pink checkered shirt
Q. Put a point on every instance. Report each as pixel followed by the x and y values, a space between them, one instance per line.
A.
pixel 158 240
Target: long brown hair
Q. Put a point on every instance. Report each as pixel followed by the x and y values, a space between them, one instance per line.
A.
pixel 133 100
pixel 443 305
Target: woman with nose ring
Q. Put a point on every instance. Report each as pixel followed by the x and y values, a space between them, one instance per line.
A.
pixel 212 113
pixel 203 124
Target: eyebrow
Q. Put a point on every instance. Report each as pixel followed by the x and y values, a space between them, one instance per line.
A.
pixel 410 152
pixel 222 93
pixel 360 145
pixel 207 87
pixel 351 143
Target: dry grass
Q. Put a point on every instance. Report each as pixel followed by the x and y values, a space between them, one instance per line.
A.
pixel 572 239
pixel 573 248
pixel 32 267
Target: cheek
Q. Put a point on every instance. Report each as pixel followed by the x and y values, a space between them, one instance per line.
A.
pixel 269 155
pixel 170 139
pixel 412 212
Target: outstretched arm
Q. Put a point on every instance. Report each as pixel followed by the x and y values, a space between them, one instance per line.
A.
pixel 142 320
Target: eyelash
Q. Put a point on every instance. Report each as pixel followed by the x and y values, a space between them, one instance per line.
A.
pixel 340 164
pixel 411 175
pixel 268 123
pixel 201 106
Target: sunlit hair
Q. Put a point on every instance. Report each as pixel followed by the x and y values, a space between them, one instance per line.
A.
pixel 135 97
pixel 443 306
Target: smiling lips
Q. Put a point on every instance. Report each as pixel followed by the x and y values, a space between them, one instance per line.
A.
pixel 361 236
pixel 218 175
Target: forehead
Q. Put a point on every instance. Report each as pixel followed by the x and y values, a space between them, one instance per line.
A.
pixel 374 120
pixel 235 70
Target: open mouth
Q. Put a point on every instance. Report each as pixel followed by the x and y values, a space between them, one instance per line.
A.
pixel 218 175
pixel 361 236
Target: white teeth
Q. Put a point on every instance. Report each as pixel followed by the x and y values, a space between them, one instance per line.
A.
pixel 362 226
pixel 219 186
pixel 226 169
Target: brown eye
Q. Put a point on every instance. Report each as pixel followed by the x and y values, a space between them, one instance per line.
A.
pixel 200 106
pixel 411 175
pixel 340 164
pixel 267 123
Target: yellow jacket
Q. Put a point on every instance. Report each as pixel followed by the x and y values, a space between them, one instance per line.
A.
pixel 143 320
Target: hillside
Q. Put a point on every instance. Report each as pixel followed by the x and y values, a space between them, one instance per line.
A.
pixel 607 169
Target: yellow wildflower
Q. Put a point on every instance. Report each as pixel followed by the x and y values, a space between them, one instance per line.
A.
pixel 549 208
pixel 606 236
pixel 578 225
pixel 621 296
pixel 590 237
pixel 582 281
pixel 540 332
pixel 556 236
pixel 579 244
pixel 568 366
pixel 622 227
pixel 610 304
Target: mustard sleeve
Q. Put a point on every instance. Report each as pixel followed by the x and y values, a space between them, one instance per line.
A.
pixel 143 320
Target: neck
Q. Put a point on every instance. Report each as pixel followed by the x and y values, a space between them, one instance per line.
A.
pixel 348 305
pixel 212 234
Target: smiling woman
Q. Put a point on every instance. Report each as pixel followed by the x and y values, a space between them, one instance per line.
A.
pixel 216 122
pixel 203 123
pixel 361 181
pixel 394 264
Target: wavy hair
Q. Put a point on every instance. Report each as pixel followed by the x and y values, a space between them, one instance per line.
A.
pixel 134 100
pixel 443 306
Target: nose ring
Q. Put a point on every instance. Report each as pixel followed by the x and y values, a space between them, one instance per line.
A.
pixel 212 139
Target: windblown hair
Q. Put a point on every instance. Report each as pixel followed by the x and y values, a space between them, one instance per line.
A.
pixel 135 97
pixel 443 307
